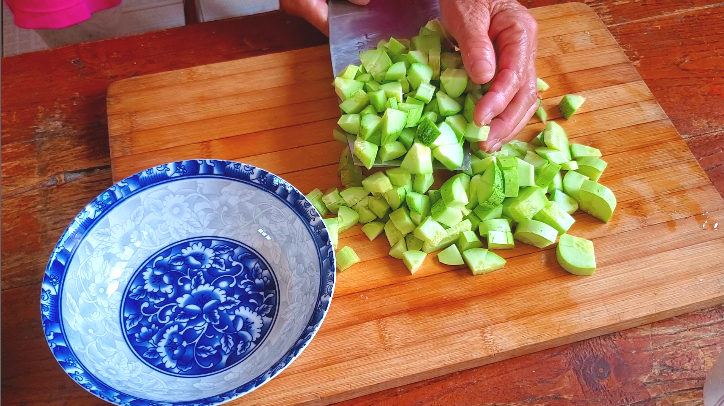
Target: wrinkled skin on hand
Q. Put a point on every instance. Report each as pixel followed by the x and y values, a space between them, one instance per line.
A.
pixel 490 34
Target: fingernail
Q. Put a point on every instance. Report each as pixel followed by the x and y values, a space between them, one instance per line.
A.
pixel 481 69
pixel 487 118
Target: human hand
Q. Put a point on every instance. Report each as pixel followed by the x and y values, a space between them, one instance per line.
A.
pixel 502 32
pixel 314 11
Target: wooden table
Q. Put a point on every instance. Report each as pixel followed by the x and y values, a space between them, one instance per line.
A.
pixel 55 159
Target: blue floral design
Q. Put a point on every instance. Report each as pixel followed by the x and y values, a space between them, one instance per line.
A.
pixel 199 307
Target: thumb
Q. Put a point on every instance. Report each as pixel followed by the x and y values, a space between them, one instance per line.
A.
pixel 468 22
pixel 314 11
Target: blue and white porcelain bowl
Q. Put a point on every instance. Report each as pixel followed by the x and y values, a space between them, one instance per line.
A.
pixel 191 283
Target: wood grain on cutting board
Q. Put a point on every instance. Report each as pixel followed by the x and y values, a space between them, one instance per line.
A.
pixel 659 256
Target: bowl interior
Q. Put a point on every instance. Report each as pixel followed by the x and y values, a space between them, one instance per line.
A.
pixel 189 289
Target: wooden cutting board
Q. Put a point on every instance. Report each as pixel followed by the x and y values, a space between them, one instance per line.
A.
pixel 661 255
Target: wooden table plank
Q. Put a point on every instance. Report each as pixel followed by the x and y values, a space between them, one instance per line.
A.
pixel 55 99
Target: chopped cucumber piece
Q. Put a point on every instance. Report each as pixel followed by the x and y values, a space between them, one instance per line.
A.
pixel 454 194
pixel 365 215
pixel 378 99
pixel 350 123
pixel 521 147
pixel 469 240
pixel 418 159
pixel 346 88
pixel 413 243
pixel 446 215
pixel 413 260
pixel 333 200
pixel 419 203
pixel 592 167
pixel 407 137
pixel 555 216
pixel 569 166
pixel 534 159
pixel 471 100
pixel 431 115
pixel 541 114
pixel 451 155
pixel 551 155
pixel 473 133
pixel 447 136
pixel 458 124
pixel 376 62
pixel 426 42
pixel 364 78
pixel 379 206
pixel 346 257
pixel 416 56
pixel 567 203
pixel 419 74
pixel 570 104
pixel 576 255
pixel 414 113
pixel 416 217
pixel 356 103
pixel 535 233
pixel 580 151
pixel 315 197
pixel 399 177
pixel 368 110
pixel 572 183
pixel 390 151
pixel 596 200
pixel 350 177
pixel 480 166
pixel 372 86
pixel 545 174
pixel 481 261
pixel 488 214
pixel 451 60
pixel 555 137
pixel 530 201
pixel 373 230
pixel 346 218
pixel 332 230
pixel 339 135
pixel 473 192
pixel 556 183
pixel 455 81
pixel 395 197
pixel 392 233
pixel 402 221
pixel 353 195
pixel 365 151
pixel 423 182
pixel 500 240
pixel 508 150
pixel 369 124
pixel 425 92
pixel 429 231
pixel 509 167
pixel 350 72
pixel 451 235
pixel 491 189
pixel 427 131
pixel 393 90
pixel 378 182
pixel 395 47
pixel 392 124
pixel 542 86
pixel 433 59
pixel 398 249
pixel 526 174
pixel 434 196
pixel 396 72
pixel 450 256
pixel 496 224
pixel 446 104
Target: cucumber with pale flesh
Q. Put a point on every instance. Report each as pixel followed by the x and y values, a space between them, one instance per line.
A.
pixel 545 174
pixel 579 151
pixel 419 74
pixel 453 193
pixel 433 59
pixel 446 104
pixel 455 81
pixel 481 261
pixel 542 85
pixel 526 174
pixel 570 104
pixel 395 197
pixel 369 124
pixel 373 229
pixel 356 103
pixel 576 255
pixel 402 221
pixel 418 159
pixel 569 166
pixel 393 90
pixel 556 183
pixel 429 231
pixel 535 233
pixel 379 206
pixel 346 88
pixel 450 256
pixel 592 167
pixel 500 240
pixel 365 151
pixel 346 257
pixel 481 165
pixel 459 124
pixel 474 220
pixel 392 233
pixel 468 240
pixel 353 195
pixel 553 215
pixel 534 159
pixel 333 200
pixel 471 100
pixel 376 62
pixel 425 92
pixel 415 56
pixel 451 235
pixel 340 135
pixel 391 150
pixel 497 224
pixel 399 176
pixel 427 131
pixel 556 138
pixel 488 214
pixel 366 215
pixel 446 215
pixel 451 155
pixel 434 195
pixel 530 201
pixel 473 133
pixel 414 113
pixel 413 243
pixel 572 182
pixel 567 203
pixel 447 136
pixel 332 225
pixel 491 190
pixel 398 249
pixel 422 182
pixel 552 155
pixel 596 200
pixel 407 137
pixel 393 121
pixel 315 197
pixel 350 123
pixel 378 182
pixel 451 60
pixel 378 99
pixel 369 110
pixel 419 203
pixel 350 72
pixel 396 72
pixel 413 260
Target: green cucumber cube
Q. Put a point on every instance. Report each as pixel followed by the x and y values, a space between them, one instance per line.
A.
pixel 455 81
pixel 364 78
pixel 369 124
pixel 556 183
pixel 365 151
pixel 488 214
pixel 508 150
pixel 473 192
pixel 356 103
pixel 346 218
pixel 399 176
pixel 418 159
pixel 315 197
pixel 471 100
pixel 405 85
pixel 451 236
pixel 407 137
pixel 376 62
pixel 378 99
pixel 402 221
pixel 425 92
pixel 378 182
pixel 427 131
pixel 390 151
pixel 350 177
pixel 545 174
pixel 552 155
pixel 395 47
pixel 379 206
pixel 426 42
pixel 413 260
pixel 576 255
pixel 443 214
pixel 416 217
pixel 450 256
pixel 535 233
pixel 354 195
pixel 496 224
pixel 491 190
pixel 392 124
pixel 413 111
pixel 454 194
pixel 416 56
pixel 346 88
pixel 458 124
pixel 526 174
pixel 481 165
pixel 500 240
pixel 542 86
pixel 368 110
pixel 346 257
pixel 473 133
pixel 434 196
pixel 333 200
pixel 451 156
pixel 393 90
pixel 350 123
pixel 555 216
pixel 433 59
pixel 555 137
pixel 569 166
pixel 580 151
pixel 572 183
pixel 413 243
pixel 534 159
pixel 423 182
pixel 392 233
pixel 398 249
pixel 541 114
pixel 521 147
pixel 429 231
pixel 481 261
pixel 396 72
pixel 570 104
pixel 371 86
pixel 350 72
pixel 340 135
pixel 451 60
pixel 395 197
pixel 419 203
pixel 530 201
pixel 596 200
pixel 592 167
pixel 431 115
pixel 332 225
pixel 447 136
pixel 469 240
pixel 567 203
pixel 419 74
pixel 373 230
pixel 446 104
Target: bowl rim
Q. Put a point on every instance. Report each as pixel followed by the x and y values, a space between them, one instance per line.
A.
pixel 96 210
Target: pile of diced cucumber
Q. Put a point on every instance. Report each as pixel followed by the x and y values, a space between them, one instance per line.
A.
pixel 400 105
